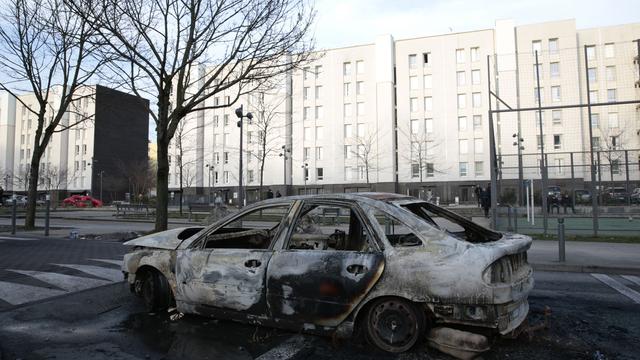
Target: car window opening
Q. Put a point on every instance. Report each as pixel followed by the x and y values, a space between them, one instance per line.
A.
pixel 329 227
pixel 453 224
pixel 254 230
pixel 398 234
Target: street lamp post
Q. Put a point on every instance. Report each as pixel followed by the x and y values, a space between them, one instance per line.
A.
pixel 101 174
pixel 240 115
pixel 305 173
pixel 210 167
pixel 284 152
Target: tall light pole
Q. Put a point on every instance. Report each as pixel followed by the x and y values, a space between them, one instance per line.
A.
pixel 210 167
pixel 305 173
pixel 241 115
pixel 284 152
pixel 101 174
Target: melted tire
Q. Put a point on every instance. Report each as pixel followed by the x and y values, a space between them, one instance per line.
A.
pixel 156 293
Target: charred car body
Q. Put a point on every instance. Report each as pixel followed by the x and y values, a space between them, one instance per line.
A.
pixel 387 264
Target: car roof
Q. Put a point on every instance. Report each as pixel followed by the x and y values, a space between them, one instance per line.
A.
pixel 367 197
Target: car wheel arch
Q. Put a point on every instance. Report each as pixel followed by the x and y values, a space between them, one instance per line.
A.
pixel 358 314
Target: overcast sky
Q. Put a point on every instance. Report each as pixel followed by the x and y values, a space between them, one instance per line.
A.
pixel 351 22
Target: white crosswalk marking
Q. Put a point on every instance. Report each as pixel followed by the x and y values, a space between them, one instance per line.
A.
pixel 633 279
pixel 18 238
pixel 109 274
pixel 616 285
pixel 16 294
pixel 109 261
pixel 63 281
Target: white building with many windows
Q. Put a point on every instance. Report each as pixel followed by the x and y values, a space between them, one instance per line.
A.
pixel 412 115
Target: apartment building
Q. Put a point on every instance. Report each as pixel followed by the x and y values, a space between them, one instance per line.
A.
pixel 106 135
pixel 412 115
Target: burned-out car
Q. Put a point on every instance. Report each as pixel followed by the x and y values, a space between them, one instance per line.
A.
pixel 389 265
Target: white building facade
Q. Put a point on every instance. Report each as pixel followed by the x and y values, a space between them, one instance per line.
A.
pixel 412 115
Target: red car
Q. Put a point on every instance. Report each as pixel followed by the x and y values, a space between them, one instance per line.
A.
pixel 81 201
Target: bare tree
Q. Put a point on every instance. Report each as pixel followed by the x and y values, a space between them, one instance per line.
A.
pixel 366 152
pixel 53 178
pixel 421 153
pixel 186 155
pixel 266 126
pixel 139 175
pixel 44 50
pixel 612 147
pixel 163 47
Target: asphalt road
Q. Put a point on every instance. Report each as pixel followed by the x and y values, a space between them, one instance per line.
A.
pixel 62 299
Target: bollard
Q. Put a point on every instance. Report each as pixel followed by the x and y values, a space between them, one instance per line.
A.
pixel 46 217
pixel 509 227
pixel 561 253
pixel 14 211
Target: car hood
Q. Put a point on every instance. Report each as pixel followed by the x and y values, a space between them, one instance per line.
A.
pixel 169 239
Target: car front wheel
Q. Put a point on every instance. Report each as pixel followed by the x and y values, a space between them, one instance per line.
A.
pixel 156 293
pixel 394 325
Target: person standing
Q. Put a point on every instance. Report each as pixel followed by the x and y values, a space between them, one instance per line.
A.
pixel 477 191
pixel 485 200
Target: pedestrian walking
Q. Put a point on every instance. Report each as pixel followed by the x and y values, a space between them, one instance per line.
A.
pixel 478 191
pixel 485 200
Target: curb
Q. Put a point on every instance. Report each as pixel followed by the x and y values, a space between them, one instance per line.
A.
pixel 575 268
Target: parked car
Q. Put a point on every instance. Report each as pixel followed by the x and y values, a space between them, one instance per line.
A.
pixel 615 195
pixel 81 201
pixel 554 191
pixel 582 196
pixel 390 264
pixel 635 196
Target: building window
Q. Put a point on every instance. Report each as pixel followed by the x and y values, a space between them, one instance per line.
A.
pixel 462 101
pixel 463 147
pixel 475 77
pixel 215 177
pixel 346 89
pixel 319 132
pixel 596 142
pixel 227 100
pixel 611 95
pixel 593 96
pixel 415 126
pixel 305 73
pixel 226 120
pixel 553 46
pixel 318 92
pixel 477 100
pixel 539 118
pixel 611 73
pixel 249 137
pixel 307 134
pixel 462 123
pixel 475 53
pixel 216 101
pixel 348 110
pixel 430 169
pixel 539 98
pixel 360 88
pixel 555 93
pixel 478 146
pixel 318 71
pixel 536 46
pixel 595 120
pixel 84 149
pixel 319 112
pixel 460 56
pixel 615 166
pixel 319 153
pixel 428 126
pixel 425 58
pixel 556 115
pixel 348 152
pixel 306 153
pixel 362 174
pixel 613 120
pixel 250 176
pixel 479 168
pixel 609 50
pixel 539 141
pixel 591 52
pixel 428 82
pixel 463 169
pixel 592 75
pixel 557 142
pixel 428 103
pixel 413 104
pixel 415 170
pixel 554 69
pixel 77 149
pixel 360 67
pixel 360 108
pixel 319 174
pixel 225 176
pixel 412 61
pixel 346 69
pixel 360 130
pixel 559 164
pixel 477 122
pixel 461 78
pixel 413 83
pixel 537 68
pixel 348 130
pixel 305 112
pixel 216 158
pixel 615 142
pixel 225 157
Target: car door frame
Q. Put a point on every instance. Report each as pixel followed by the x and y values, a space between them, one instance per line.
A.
pixel 285 286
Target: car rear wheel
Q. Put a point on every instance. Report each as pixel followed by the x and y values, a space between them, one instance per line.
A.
pixel 156 293
pixel 394 325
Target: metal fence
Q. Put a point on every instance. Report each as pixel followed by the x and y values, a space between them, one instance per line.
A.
pixel 565 139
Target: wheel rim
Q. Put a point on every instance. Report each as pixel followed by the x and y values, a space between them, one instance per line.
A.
pixel 394 326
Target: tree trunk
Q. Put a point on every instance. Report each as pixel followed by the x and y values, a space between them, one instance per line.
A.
pixel 162 195
pixel 32 194
pixel 261 177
